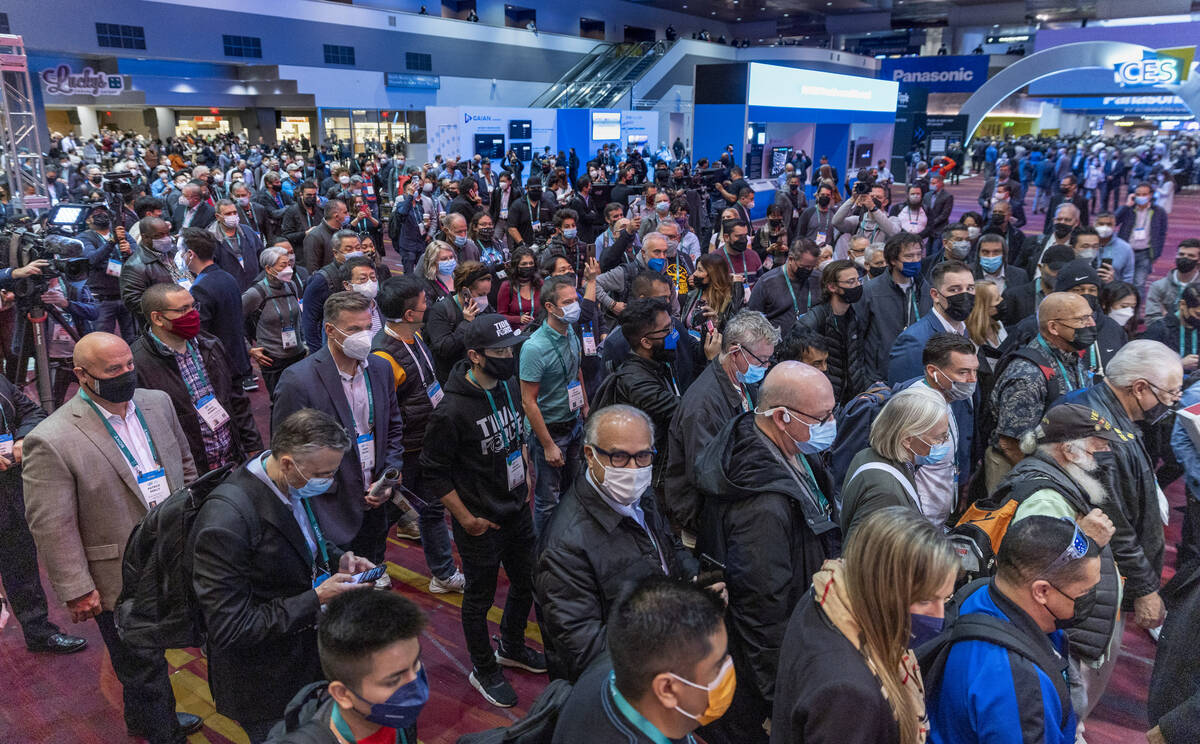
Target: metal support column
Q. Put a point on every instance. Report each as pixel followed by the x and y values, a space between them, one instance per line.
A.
pixel 20 143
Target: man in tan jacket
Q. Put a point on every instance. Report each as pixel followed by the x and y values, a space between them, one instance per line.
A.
pixel 92 470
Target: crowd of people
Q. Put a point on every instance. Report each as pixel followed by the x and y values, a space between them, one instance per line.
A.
pixel 862 471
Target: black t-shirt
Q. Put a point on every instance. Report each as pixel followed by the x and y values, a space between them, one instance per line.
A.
pixel 522 218
pixel 735 188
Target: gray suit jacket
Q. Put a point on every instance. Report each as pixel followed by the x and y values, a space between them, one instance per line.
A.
pixel 81 498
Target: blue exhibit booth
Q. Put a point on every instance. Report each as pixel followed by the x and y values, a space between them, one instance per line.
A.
pixel 766 111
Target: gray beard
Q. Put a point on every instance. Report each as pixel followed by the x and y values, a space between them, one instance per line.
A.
pixel 1088 481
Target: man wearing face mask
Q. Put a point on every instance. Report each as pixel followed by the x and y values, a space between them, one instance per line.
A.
pixel 1063 477
pixel 219 300
pixel 769 519
pixel 375 682
pixel 1165 293
pixel 1116 255
pixel 892 301
pixel 614 287
pixel 529 214
pixel 1068 193
pixel 1000 223
pixel 816 221
pixel 993 266
pixel 264 564
pixel 1032 377
pixel 175 356
pixel 91 470
pixel 610 503
pixel 835 320
pixel 1141 387
pixel 863 214
pixel 671 670
pixel 447 321
pixel 105 253
pixel 953 244
pixel 318 249
pixel 323 283
pixel 301 216
pixel 1144 226
pixel 238 245
pixel 473 462
pixel 1046 577
pixel 345 380
pixel 152 262
pixel 785 293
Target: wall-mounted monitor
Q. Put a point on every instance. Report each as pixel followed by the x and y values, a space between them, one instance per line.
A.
pixel 490 146
pixel 520 129
pixel 524 151
pixel 606 125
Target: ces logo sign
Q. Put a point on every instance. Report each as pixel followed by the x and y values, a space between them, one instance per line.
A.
pixel 1163 67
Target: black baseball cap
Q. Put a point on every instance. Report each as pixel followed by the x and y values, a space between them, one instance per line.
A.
pixel 1069 421
pixel 1077 272
pixel 492 331
pixel 1058 256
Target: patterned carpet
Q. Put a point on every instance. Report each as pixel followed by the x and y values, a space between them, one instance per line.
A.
pixel 77 699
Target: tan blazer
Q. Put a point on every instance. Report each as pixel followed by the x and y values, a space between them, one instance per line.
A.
pixel 81 498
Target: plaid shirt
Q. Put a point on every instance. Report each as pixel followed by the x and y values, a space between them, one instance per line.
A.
pixel 218 444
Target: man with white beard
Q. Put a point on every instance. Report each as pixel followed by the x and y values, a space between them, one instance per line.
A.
pixel 1063 476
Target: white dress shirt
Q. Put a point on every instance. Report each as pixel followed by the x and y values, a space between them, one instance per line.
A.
pixel 355 389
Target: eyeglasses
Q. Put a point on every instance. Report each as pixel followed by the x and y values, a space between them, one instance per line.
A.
pixel 818 419
pixel 1076 549
pixel 1175 394
pixel 182 310
pixel 620 458
pixel 1079 319
pixel 752 355
pixel 941 440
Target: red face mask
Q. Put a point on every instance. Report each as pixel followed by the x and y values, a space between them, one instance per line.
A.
pixel 187 325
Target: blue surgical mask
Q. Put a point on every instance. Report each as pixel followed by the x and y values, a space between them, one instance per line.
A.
pixel 1141 201
pixel 911 268
pixel 991 264
pixel 820 437
pixel 570 232
pixel 403 706
pixel 937 453
pixel 571 312
pixel 312 486
pixel 753 374
pixel 656 264
pixel 354 254
pixel 924 628
pixel 460 240
pixel 447 267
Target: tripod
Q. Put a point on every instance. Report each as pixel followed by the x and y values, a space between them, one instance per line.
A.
pixel 35 318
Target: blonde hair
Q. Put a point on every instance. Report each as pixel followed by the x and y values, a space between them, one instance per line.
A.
pixel 910 413
pixel 894 558
pixel 981 326
pixel 427 267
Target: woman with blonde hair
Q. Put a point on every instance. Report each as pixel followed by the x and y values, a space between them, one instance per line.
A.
pixel 437 265
pixel 983 326
pixel 846 673
pixel 912 429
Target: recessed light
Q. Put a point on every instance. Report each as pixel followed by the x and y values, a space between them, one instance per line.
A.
pixel 785 15
pixel 739 18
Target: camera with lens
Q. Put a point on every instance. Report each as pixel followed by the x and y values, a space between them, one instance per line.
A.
pixel 22 242
pixel 864 183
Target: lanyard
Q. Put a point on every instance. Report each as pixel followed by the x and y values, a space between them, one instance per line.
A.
pixel 637 719
pixel 117 437
pixel 341 729
pixel 275 301
pixel 534 217
pixel 796 305
pixel 912 302
pixel 570 336
pixel 812 480
pixel 1182 345
pixel 199 363
pixel 1061 368
pixel 312 521
pixel 730 261
pixel 236 245
pixel 492 403
pixel 408 347
pixel 370 403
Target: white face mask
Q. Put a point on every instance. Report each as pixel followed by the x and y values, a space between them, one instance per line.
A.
pixel 367 289
pixel 625 485
pixel 1121 315
pixel 356 345
pixel 1104 231
pixel 285 274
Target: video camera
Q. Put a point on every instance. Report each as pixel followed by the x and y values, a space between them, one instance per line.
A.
pixel 23 242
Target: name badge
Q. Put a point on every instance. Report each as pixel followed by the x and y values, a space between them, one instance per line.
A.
pixel 504 214
pixel 366 452
pixel 370 189
pixel 154 487
pixel 575 395
pixel 589 344
pixel 434 391
pixel 1140 233
pixel 537 225
pixel 820 238
pixel 212 412
pixel 319 579
pixel 6 447
pixel 241 261
pixel 516 470
pixel 288 338
pixel 113 268
pixel 185 283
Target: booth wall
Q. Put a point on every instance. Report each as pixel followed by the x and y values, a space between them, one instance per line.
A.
pixel 832 141
pixel 717 125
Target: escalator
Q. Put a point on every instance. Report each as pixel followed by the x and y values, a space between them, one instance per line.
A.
pixel 603 77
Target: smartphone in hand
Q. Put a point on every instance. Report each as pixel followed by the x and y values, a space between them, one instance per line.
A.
pixel 370 575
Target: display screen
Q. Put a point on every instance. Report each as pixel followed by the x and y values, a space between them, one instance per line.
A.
pixel 606 125
pixel 68 215
pixel 788 87
pixel 520 129
pixel 524 151
pixel 638 139
pixel 490 146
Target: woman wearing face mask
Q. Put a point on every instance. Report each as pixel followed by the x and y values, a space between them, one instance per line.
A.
pixel 859 623
pixel 446 321
pixel 272 307
pixel 1119 301
pixel 714 297
pixel 517 299
pixel 834 318
pixel 912 429
pixel 911 216
pixel 772 239
pixel 482 231
pixel 437 266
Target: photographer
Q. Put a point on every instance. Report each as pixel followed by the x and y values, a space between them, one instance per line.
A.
pixel 868 217
pixel 106 249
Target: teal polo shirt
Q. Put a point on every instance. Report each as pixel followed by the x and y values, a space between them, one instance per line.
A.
pixel 551 359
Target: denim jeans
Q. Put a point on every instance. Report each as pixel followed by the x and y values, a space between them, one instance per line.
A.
pixel 109 314
pixel 1141 270
pixel 550 483
pixel 435 535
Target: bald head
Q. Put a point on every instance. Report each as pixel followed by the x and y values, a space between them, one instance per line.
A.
pixel 797 386
pixel 1060 306
pixel 93 349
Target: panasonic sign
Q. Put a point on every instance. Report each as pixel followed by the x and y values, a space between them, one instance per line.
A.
pixel 945 74
pixel 961 74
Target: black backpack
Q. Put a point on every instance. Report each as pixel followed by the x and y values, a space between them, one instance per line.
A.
pixel 854 432
pixel 157 607
pixel 537 727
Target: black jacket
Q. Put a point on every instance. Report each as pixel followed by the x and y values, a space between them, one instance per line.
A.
pixel 446 331
pixel 1174 701
pixel 411 390
pixel 465 452
pixel 296 222
pixel 591 715
pixel 205 216
pixel 772 533
pixel 220 300
pixel 844 368
pixel 253 576
pixel 577 585
pixel 825 684
pixel 1020 301
pixel 143 268
pixel 158 370
pixel 650 387
pixel 884 312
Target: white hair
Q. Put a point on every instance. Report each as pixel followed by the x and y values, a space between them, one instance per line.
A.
pixel 1142 359
pixel 910 413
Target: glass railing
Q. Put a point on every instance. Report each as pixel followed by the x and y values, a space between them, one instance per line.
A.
pixel 604 76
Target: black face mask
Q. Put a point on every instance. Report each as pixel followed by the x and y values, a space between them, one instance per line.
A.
pixel 1061 231
pixel 101 221
pixel 310 201
pixel 663 355
pixel 1185 265
pixel 500 368
pixel 876 270
pixel 1093 302
pixel 525 272
pixel 1156 412
pixel 1084 337
pixel 1084 604
pixel 803 273
pixel 117 389
pixel 823 200
pixel 959 306
pixel 738 246
pixel 534 194
pixel 998 218
pixel 852 294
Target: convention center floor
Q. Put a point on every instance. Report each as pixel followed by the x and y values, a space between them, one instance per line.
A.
pixel 77 699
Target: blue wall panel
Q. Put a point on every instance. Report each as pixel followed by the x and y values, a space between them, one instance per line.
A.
pixel 717 125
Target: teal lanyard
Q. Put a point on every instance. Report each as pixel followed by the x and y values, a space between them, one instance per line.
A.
pixel 199 370
pixel 492 403
pixel 812 480
pixel 236 245
pixel 637 719
pixel 912 301
pixel 570 352
pixel 730 261
pixel 117 438
pixel 796 305
pixel 275 300
pixel 1182 341
pixel 1061 368
pixel 532 217
pixel 320 538
pixel 370 404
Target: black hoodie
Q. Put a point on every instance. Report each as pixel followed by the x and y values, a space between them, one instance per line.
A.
pixel 465 452
pixel 764 523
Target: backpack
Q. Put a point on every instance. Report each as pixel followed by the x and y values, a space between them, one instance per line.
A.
pixel 537 727
pixel 854 432
pixel 157 607
pixel 1056 387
